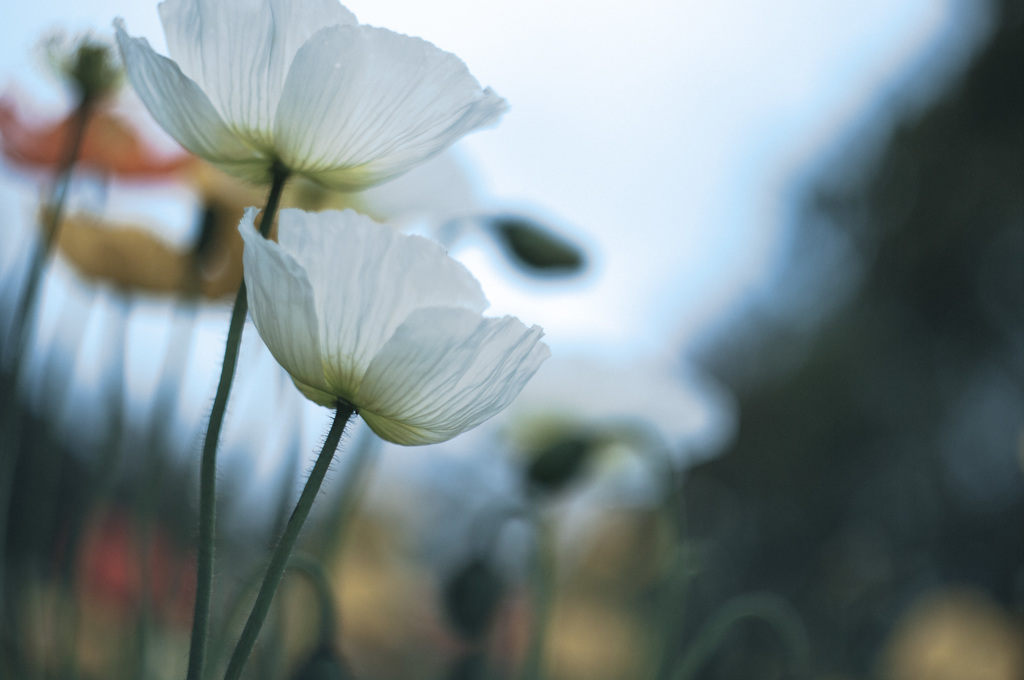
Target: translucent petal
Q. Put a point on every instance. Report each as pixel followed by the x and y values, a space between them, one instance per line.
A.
pixel 363 104
pixel 445 371
pixel 180 106
pixel 239 52
pixel 281 303
pixel 367 278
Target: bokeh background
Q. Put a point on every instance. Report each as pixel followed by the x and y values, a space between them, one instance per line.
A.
pixel 802 278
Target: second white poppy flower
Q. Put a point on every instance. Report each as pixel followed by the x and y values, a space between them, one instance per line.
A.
pixel 251 83
pixel 357 311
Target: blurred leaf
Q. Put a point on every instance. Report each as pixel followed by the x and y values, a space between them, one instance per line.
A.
pixel 534 247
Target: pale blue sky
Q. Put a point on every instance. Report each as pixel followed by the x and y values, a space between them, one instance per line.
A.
pixel 668 136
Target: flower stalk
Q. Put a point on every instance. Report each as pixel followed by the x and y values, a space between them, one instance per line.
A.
pixel 9 407
pixel 93 74
pixel 765 606
pixel 53 213
pixel 543 578
pixel 208 464
pixel 282 553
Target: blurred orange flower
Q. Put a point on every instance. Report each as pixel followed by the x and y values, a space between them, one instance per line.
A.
pixel 110 146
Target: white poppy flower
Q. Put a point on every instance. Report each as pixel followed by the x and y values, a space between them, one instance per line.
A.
pixel 679 409
pixel 357 311
pixel 301 83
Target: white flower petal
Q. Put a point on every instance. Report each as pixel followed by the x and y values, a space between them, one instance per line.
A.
pixel 367 278
pixel 179 105
pixel 239 52
pixel 363 104
pixel 445 371
pixel 281 303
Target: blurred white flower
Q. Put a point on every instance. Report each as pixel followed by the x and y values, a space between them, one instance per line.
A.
pixel 687 415
pixel 300 82
pixel 357 311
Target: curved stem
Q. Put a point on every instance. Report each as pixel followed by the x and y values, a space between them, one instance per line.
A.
pixel 279 560
pixel 321 583
pixel 208 465
pixel 768 607
pixel 233 616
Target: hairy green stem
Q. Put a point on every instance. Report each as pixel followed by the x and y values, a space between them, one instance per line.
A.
pixel 279 560
pixel 208 464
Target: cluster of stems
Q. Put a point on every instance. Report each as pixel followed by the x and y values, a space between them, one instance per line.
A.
pixel 208 489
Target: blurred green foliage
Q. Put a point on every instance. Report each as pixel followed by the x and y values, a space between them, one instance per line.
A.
pixel 878 454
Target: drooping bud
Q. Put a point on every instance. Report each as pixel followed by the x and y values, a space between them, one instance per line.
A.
pixel 471 597
pixel 560 463
pixel 91 67
pixel 535 247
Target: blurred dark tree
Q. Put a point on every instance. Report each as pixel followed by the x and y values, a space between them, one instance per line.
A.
pixel 879 449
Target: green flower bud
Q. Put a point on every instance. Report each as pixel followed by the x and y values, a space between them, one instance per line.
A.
pixel 91 67
pixel 535 247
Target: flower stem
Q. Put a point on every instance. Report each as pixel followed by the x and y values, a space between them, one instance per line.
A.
pixel 53 213
pixel 671 607
pixel 10 409
pixel 768 607
pixel 208 465
pixel 543 597
pixel 279 560
pixel 321 583
pixel 58 200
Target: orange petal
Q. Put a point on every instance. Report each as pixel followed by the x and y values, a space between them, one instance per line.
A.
pixel 110 145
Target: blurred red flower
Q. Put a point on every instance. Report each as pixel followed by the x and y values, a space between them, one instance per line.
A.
pixel 112 572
